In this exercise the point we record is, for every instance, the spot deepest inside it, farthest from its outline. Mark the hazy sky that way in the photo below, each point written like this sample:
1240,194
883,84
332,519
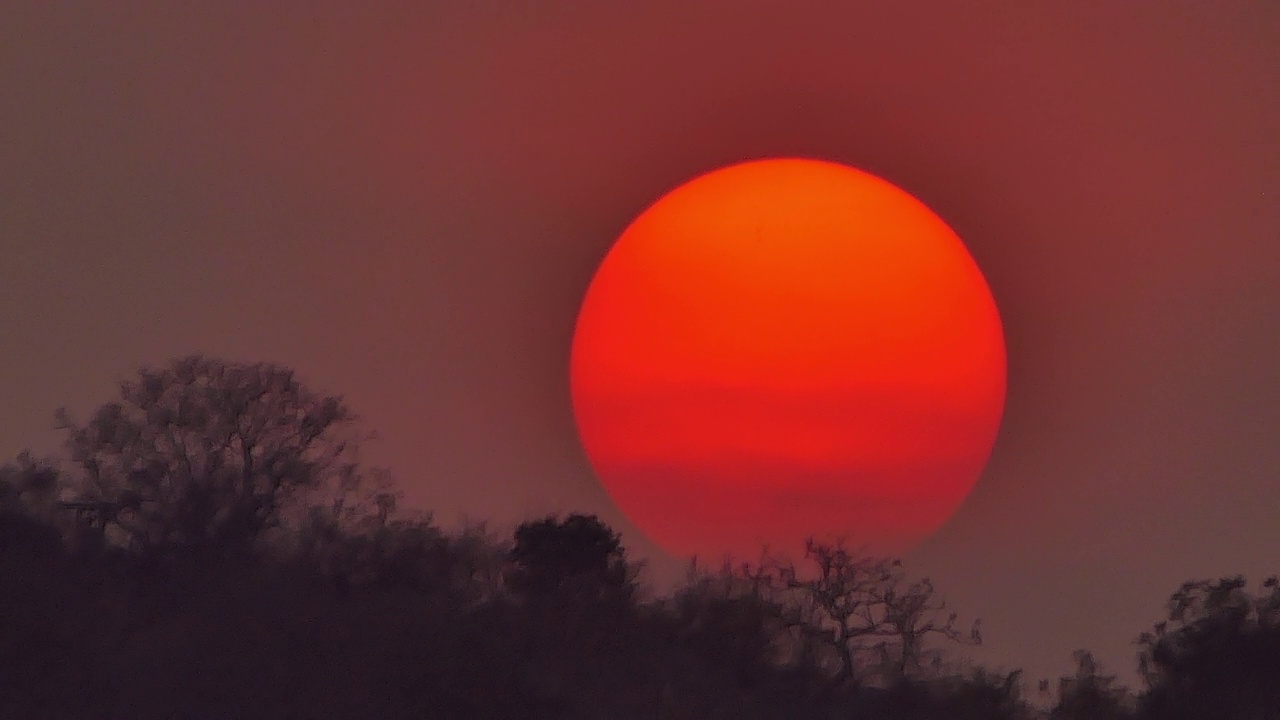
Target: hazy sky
405,202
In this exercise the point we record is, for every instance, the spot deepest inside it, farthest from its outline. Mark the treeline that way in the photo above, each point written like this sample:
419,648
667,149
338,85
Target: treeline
209,545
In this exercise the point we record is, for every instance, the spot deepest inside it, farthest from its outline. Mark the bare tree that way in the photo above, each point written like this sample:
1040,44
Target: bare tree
207,453
865,610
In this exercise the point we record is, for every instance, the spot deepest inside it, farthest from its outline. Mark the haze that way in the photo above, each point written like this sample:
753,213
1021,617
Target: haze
405,202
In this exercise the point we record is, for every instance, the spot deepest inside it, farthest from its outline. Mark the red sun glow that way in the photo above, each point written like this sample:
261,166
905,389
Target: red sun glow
785,348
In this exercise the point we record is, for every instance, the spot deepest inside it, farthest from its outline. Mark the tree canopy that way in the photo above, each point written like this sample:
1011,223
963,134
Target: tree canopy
326,599
203,453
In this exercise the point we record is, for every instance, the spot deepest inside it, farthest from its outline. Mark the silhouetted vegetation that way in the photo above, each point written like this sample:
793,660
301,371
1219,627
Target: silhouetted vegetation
1217,654
209,546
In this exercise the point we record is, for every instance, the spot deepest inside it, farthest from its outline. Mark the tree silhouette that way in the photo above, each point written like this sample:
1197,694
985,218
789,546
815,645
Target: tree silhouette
873,619
204,453
30,486
727,633
578,557
979,695
29,519
1088,695
1217,654
351,607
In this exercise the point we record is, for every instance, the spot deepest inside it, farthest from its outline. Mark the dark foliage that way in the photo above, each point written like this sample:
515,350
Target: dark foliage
1217,654
577,557
212,549
1089,695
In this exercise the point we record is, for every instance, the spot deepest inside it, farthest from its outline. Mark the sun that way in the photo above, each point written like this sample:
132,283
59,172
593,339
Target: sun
787,348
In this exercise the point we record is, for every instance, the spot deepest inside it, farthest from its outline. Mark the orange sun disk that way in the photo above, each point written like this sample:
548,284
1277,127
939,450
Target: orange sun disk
785,348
